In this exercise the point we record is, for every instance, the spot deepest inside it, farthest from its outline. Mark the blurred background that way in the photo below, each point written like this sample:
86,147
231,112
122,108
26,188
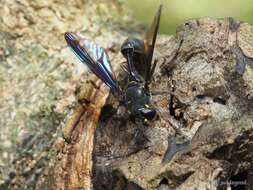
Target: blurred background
177,11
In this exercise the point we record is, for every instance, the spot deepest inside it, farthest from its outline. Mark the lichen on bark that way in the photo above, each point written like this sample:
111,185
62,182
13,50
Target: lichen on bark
39,77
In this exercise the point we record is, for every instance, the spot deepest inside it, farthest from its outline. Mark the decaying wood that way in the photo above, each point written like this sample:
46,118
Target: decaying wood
38,84
208,97
74,169
206,74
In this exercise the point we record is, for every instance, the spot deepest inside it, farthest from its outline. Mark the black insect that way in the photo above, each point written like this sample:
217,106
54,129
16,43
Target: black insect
140,69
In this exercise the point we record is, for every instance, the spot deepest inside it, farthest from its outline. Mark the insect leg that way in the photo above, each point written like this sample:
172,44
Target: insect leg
124,68
140,139
175,145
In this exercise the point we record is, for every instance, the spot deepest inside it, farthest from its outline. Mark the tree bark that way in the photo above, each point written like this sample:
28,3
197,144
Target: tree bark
207,74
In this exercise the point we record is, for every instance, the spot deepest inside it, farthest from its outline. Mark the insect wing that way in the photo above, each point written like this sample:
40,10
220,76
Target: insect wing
94,57
98,54
149,42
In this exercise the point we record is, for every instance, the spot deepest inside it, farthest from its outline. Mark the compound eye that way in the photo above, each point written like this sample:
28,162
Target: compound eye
126,46
132,44
148,113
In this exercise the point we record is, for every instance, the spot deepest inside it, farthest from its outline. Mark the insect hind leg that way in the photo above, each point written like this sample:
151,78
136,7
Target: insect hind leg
139,137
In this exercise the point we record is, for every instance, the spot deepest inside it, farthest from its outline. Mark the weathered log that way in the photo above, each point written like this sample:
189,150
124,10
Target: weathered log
39,80
74,167
208,96
204,77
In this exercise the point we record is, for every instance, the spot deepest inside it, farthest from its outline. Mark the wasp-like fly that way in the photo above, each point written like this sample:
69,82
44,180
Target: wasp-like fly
140,69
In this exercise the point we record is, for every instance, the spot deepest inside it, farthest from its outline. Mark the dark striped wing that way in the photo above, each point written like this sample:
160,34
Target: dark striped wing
149,44
95,58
